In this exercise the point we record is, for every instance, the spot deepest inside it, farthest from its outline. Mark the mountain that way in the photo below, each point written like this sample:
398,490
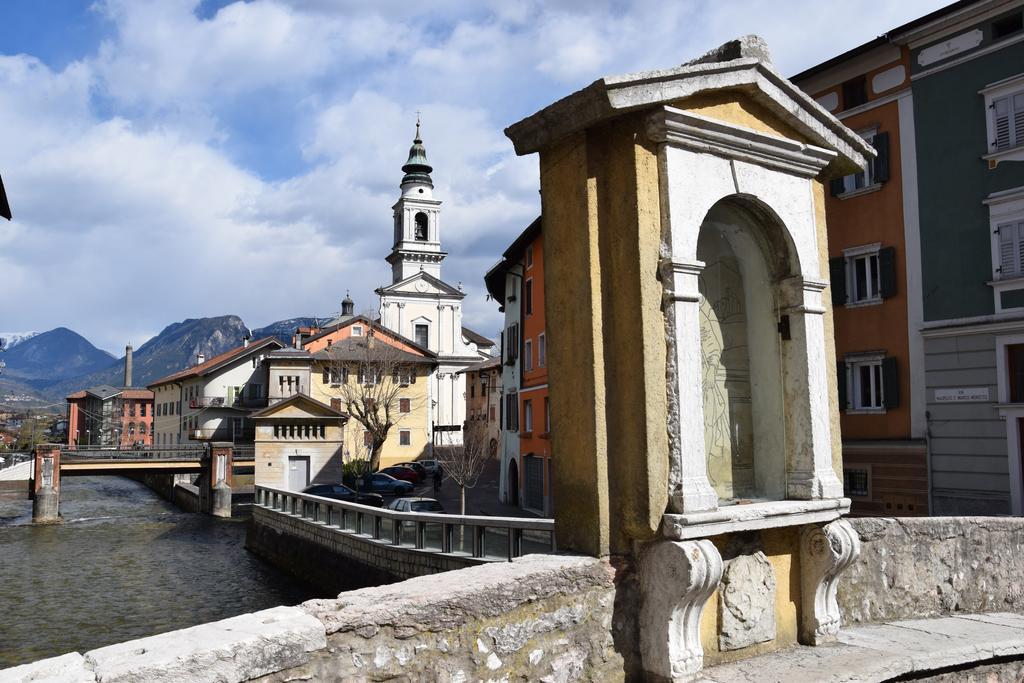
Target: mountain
174,349
13,338
284,329
57,354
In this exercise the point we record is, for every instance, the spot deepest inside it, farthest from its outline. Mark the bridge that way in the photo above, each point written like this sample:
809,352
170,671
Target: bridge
215,463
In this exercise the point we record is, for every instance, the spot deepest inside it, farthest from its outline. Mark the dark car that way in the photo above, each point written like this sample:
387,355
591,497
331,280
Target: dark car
379,482
420,469
404,473
415,505
345,494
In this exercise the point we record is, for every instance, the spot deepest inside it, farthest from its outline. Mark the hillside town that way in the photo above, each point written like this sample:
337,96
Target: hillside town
753,410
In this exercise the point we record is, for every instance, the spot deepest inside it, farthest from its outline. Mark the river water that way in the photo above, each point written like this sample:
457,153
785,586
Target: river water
124,564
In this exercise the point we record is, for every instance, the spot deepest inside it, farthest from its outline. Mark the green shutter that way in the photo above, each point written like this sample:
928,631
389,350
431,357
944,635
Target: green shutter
880,164
890,383
837,276
887,271
841,383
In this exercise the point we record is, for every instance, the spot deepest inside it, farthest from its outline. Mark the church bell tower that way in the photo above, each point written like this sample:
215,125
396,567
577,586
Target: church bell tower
417,244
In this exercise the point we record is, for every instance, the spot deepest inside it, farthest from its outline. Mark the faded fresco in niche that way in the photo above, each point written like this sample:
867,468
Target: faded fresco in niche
725,369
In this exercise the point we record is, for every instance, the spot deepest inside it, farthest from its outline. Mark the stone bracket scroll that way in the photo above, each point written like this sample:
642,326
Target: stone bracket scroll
825,552
676,580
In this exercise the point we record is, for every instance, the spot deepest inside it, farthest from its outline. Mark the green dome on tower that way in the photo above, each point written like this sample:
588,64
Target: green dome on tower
416,168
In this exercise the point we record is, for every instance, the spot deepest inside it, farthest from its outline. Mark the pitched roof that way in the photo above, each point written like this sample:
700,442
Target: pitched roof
374,324
487,364
437,282
738,66
495,277
297,398
476,338
216,362
5,208
355,349
105,391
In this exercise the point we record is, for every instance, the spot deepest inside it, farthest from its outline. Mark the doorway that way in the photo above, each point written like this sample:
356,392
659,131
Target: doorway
298,472
513,482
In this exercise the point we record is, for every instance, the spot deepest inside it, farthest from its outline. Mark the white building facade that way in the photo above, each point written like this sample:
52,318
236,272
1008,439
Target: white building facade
418,304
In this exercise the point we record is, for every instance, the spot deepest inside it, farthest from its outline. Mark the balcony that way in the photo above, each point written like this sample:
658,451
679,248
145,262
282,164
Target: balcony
246,434
238,403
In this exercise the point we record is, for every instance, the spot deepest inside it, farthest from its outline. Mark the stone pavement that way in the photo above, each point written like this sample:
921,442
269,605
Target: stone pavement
482,499
882,652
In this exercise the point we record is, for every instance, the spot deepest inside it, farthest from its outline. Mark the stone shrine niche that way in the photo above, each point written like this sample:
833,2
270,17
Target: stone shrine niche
740,365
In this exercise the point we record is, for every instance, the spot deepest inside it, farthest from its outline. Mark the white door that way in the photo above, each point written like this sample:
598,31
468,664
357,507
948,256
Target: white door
298,472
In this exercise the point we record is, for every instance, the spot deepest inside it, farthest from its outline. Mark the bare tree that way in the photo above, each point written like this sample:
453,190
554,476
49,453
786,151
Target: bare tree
464,463
370,380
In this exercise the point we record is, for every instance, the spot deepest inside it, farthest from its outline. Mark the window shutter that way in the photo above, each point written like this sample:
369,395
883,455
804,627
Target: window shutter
835,186
887,271
327,375
841,384
1008,249
837,274
880,163
890,383
1001,123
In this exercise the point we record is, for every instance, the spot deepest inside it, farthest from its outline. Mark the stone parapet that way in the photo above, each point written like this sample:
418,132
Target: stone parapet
917,567
539,618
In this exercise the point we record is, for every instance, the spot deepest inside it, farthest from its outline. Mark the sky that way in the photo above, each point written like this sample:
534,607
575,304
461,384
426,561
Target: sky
175,159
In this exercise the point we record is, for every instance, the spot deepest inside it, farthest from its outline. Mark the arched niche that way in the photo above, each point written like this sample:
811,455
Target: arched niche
420,231
745,257
748,361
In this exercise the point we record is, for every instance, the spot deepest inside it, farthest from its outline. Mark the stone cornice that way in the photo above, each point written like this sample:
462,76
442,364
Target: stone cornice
610,97
702,134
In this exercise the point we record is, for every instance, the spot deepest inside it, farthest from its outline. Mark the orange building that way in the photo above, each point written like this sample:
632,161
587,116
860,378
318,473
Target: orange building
105,415
884,449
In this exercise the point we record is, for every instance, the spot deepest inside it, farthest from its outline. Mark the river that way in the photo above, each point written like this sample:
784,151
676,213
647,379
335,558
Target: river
124,564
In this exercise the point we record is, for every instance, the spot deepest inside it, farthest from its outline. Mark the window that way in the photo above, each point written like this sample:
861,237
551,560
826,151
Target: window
855,483
512,344
142,410
492,413
404,405
483,388
422,335
1011,249
528,355
875,172
1007,26
1007,121
472,391
529,256
512,411
404,437
357,330
542,350
547,415
872,383
855,92
335,376
528,415
528,297
863,275
369,376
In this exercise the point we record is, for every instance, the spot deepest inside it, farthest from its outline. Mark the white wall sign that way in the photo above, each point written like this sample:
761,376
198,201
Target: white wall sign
961,395
948,48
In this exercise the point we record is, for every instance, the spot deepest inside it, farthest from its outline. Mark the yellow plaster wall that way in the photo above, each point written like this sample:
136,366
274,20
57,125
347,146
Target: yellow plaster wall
781,547
575,351
740,110
416,421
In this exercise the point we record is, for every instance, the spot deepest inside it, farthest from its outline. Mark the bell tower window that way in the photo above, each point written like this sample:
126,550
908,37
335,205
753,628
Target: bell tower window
420,233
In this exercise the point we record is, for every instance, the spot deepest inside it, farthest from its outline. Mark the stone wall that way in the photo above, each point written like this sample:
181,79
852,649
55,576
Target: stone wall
539,618
932,566
333,560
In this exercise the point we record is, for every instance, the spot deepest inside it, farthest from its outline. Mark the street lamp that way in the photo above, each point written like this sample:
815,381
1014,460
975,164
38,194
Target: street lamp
88,437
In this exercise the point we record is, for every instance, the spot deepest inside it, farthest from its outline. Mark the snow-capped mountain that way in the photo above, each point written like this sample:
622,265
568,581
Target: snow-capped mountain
12,339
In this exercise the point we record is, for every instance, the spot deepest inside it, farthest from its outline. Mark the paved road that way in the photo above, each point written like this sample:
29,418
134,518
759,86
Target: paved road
480,500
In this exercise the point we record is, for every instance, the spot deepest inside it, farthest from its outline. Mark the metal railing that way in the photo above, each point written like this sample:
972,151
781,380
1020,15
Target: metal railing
481,537
225,402
183,452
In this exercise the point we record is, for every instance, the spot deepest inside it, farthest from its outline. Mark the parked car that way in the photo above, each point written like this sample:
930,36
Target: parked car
420,469
415,505
344,493
402,472
379,482
429,465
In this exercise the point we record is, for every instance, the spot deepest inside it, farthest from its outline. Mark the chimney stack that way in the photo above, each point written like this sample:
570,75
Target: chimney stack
245,341
200,358
128,365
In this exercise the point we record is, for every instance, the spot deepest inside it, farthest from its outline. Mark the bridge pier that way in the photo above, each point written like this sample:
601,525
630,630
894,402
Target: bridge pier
46,484
218,464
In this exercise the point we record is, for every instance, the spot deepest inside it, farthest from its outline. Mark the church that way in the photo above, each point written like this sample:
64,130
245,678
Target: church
419,305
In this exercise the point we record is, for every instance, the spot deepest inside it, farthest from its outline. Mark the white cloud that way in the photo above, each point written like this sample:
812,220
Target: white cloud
135,207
